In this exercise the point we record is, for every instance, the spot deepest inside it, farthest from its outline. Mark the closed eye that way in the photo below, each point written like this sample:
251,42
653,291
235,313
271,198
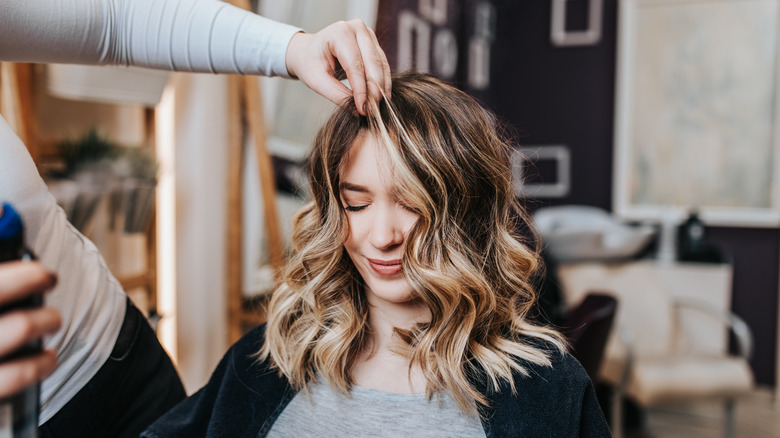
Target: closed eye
354,207
408,208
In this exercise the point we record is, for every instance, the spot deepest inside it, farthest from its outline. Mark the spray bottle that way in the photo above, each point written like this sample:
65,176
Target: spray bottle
18,413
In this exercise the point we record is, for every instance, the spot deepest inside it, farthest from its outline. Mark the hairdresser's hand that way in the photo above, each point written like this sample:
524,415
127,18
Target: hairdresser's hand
320,59
19,280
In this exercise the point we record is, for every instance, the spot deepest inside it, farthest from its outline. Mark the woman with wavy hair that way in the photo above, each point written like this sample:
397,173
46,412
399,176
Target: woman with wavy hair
403,308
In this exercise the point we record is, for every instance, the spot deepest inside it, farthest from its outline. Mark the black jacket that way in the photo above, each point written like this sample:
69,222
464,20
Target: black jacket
244,397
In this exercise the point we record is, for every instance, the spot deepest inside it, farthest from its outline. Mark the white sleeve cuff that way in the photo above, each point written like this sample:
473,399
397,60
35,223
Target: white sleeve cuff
261,46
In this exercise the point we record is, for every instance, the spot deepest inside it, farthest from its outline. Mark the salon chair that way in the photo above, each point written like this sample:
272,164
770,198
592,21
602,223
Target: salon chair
683,374
670,341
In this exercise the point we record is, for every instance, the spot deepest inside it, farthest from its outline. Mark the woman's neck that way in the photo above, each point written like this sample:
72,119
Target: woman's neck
384,318
383,366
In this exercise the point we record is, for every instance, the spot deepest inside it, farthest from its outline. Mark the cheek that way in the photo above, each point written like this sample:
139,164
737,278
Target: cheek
410,219
355,233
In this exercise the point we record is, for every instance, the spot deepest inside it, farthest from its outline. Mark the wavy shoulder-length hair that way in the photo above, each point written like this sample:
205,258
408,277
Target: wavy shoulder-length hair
467,257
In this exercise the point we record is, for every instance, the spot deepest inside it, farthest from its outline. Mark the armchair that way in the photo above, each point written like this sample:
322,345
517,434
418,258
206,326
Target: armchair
670,341
684,374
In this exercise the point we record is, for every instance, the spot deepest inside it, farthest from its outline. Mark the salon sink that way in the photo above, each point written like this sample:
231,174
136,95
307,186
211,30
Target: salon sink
584,233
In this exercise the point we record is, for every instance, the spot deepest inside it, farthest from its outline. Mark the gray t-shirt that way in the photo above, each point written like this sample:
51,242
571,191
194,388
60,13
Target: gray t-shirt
324,412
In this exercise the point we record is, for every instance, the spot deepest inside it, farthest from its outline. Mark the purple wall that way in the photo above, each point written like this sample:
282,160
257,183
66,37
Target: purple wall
553,95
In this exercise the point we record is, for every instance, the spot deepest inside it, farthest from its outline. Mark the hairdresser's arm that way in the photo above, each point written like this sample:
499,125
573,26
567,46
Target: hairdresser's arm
189,35
17,281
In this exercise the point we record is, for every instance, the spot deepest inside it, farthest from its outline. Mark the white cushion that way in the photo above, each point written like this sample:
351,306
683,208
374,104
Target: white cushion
657,380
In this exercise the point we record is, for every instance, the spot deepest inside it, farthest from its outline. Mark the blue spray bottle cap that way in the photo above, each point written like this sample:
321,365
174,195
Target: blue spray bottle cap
10,222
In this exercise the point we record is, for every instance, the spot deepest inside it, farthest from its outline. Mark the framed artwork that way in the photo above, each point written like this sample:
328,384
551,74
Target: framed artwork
696,111
541,171
562,37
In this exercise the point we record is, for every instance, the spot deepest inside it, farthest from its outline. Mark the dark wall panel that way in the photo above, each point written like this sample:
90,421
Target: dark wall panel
555,95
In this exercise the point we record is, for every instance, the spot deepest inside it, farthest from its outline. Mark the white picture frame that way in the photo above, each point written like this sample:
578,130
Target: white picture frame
559,188
697,111
562,37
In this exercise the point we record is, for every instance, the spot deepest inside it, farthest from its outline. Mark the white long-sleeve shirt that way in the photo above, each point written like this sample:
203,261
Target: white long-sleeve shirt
185,35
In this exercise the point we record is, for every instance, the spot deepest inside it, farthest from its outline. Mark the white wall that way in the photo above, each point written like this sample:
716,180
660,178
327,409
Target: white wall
192,200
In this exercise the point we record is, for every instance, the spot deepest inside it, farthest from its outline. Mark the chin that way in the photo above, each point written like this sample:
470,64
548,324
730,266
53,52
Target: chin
395,292
395,297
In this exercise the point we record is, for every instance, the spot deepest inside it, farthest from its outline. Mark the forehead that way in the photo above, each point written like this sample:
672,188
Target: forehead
366,161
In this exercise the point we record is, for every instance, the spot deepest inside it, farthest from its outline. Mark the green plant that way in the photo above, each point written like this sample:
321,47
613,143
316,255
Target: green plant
96,150
86,151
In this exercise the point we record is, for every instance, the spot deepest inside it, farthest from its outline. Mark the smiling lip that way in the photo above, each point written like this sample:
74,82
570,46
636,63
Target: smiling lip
386,268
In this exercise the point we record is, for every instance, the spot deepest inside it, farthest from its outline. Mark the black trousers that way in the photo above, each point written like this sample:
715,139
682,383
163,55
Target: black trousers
136,385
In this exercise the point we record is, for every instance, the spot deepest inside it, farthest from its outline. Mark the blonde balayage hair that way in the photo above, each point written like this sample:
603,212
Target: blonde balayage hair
466,258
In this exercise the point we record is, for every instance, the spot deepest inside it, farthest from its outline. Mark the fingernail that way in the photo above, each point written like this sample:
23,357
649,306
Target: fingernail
365,108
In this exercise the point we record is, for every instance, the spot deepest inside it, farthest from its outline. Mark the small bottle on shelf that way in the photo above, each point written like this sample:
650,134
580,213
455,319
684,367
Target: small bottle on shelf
692,243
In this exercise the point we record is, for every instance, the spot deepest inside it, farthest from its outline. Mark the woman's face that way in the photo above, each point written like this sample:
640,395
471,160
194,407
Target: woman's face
378,222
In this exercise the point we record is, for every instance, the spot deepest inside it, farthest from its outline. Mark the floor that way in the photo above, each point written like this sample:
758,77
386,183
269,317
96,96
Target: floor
757,416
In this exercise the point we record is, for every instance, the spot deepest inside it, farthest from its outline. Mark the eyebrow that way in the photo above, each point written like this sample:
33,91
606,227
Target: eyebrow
353,187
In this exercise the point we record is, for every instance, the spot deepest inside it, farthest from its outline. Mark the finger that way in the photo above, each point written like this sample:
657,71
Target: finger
373,59
22,326
346,49
18,374
22,279
330,88
381,78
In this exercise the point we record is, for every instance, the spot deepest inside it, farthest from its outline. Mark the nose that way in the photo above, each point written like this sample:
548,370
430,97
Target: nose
387,231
